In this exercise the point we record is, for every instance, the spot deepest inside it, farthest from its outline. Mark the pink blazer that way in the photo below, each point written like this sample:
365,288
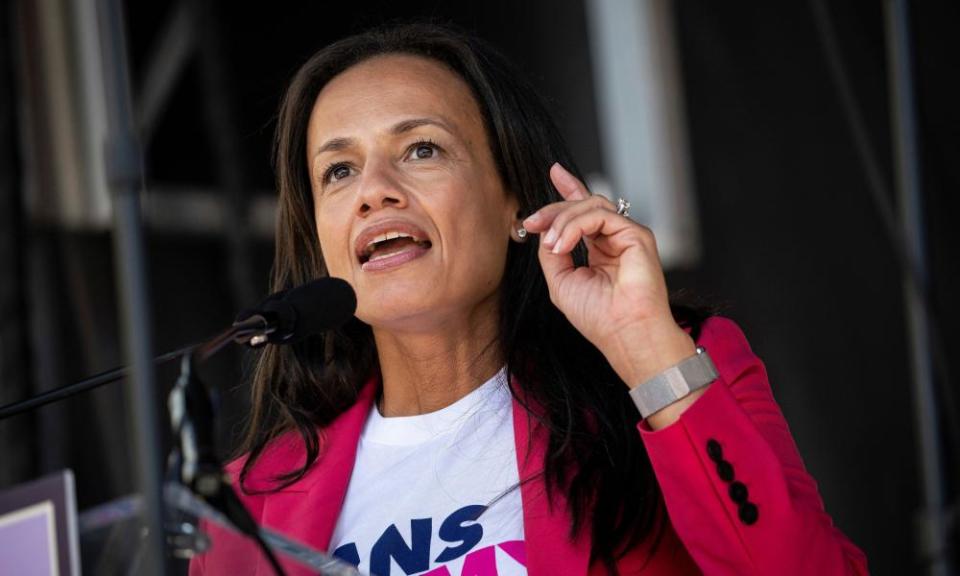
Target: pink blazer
707,532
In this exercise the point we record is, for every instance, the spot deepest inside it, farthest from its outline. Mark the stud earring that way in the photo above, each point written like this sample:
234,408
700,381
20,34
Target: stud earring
522,234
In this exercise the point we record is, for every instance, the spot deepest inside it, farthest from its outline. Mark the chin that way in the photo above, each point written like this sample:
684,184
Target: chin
392,311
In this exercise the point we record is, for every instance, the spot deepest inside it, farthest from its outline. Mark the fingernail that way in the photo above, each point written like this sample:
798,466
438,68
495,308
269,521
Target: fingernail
532,219
550,238
556,249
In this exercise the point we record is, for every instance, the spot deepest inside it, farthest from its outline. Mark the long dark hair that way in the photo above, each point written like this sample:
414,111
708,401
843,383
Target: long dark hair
595,455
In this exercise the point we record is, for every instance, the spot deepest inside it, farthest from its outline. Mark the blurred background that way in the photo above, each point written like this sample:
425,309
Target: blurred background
756,138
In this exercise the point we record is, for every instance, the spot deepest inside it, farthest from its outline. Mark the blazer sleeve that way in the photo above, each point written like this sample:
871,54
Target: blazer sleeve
734,485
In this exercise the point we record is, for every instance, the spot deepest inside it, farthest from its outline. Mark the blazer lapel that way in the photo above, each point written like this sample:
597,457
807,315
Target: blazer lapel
307,511
546,522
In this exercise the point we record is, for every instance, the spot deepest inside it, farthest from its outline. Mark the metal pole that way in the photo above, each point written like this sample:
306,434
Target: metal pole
934,539
125,177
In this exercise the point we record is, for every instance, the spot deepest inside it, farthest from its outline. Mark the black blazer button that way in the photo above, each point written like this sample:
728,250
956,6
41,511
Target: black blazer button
714,451
748,513
738,492
725,471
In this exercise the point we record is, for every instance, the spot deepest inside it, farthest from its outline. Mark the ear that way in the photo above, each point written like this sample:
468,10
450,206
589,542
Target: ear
516,224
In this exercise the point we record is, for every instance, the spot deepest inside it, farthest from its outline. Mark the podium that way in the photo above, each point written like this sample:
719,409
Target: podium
41,534
110,537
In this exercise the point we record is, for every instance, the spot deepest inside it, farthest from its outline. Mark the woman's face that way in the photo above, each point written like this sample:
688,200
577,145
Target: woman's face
396,146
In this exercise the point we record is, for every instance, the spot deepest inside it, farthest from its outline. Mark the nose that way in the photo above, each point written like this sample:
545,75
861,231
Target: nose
379,188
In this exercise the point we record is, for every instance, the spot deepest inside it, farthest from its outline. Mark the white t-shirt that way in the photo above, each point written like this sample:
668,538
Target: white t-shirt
437,493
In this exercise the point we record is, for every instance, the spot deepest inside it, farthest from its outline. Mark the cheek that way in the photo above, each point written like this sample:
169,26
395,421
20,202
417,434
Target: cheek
478,238
333,247
334,257
479,253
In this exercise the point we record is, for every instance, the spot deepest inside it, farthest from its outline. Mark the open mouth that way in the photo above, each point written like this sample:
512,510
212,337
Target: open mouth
391,247
389,243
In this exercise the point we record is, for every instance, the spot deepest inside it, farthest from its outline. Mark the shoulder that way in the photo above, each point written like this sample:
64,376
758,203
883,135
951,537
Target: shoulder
288,452
281,455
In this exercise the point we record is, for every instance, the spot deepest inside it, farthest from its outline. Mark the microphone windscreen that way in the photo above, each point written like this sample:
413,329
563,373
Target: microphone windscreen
260,307
322,304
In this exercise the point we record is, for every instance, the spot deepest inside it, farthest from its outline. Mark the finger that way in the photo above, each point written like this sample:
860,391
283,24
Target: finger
547,216
573,211
542,218
597,221
555,267
568,185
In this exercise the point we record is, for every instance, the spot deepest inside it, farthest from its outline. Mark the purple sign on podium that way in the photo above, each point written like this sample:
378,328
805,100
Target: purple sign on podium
38,528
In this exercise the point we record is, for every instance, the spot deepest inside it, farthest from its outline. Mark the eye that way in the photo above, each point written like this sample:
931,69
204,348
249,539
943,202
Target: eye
423,150
336,172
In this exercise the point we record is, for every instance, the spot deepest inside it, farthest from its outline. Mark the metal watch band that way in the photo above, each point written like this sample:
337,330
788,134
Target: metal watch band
674,383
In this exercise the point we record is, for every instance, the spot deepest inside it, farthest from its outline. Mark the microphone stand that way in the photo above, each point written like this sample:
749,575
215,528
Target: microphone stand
95,381
193,462
193,459
252,330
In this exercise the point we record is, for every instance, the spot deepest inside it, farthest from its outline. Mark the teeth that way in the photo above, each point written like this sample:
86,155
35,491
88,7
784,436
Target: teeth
386,236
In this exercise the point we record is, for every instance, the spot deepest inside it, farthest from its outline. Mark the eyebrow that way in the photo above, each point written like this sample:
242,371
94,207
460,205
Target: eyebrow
402,127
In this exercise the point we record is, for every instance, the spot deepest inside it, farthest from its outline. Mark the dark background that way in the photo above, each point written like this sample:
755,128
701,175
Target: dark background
793,247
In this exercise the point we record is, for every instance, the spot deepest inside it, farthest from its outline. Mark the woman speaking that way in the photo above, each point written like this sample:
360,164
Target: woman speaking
516,394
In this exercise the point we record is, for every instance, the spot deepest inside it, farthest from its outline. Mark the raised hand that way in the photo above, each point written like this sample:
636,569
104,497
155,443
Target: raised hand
619,300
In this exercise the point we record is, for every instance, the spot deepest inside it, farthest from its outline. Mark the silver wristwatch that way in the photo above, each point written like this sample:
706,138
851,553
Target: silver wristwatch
674,383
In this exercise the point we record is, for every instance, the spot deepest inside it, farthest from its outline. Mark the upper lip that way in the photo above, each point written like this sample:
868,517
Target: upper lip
389,225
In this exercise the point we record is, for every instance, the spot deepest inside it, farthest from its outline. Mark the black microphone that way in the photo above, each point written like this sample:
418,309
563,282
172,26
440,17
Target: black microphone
291,315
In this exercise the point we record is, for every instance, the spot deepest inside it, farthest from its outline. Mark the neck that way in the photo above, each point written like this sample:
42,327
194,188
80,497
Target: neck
425,371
